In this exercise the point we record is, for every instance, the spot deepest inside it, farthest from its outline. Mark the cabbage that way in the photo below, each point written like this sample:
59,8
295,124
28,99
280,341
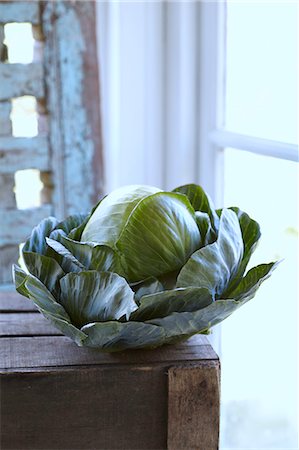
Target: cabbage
143,269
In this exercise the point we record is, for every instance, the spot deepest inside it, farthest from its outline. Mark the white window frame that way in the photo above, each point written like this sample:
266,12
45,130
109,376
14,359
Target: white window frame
214,137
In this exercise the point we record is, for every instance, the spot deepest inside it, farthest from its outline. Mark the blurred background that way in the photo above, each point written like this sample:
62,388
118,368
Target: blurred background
96,95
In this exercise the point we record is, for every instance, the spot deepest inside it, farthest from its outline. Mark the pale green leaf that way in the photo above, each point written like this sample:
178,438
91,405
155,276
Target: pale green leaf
108,220
159,236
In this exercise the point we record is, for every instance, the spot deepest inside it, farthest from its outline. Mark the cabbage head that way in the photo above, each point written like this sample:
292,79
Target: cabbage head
145,268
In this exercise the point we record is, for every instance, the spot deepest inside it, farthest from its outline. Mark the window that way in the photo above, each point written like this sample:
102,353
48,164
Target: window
250,136
178,106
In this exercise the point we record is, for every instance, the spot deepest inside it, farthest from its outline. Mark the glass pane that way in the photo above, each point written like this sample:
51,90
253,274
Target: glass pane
20,42
262,71
28,188
23,116
259,342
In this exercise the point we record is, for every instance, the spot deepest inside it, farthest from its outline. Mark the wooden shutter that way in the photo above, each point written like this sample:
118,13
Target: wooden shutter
67,150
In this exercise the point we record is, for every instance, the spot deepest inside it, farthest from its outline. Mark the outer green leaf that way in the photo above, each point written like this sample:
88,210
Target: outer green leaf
115,336
43,298
248,286
203,221
57,234
63,256
250,234
164,303
108,220
71,222
92,256
92,297
37,241
185,324
19,277
46,269
66,328
146,287
200,201
213,266
159,236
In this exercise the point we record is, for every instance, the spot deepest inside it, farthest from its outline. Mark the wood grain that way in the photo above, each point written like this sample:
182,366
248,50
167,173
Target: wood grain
5,122
92,408
73,104
21,79
193,407
17,225
55,395
19,12
8,255
59,351
23,153
11,301
7,195
26,324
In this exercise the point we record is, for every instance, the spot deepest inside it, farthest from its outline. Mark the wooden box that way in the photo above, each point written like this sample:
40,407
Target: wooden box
55,395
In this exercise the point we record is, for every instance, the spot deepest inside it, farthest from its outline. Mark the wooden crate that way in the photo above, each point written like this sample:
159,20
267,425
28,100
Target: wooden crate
55,395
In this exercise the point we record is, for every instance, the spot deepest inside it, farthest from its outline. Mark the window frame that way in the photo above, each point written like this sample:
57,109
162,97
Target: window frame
215,137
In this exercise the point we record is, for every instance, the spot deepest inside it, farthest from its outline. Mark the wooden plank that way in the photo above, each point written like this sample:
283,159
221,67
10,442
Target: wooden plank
17,224
7,195
119,408
193,406
5,122
73,104
23,153
21,79
9,255
19,12
3,48
59,351
11,301
26,324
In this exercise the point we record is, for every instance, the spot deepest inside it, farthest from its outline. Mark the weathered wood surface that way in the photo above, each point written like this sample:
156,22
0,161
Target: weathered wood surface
19,11
7,195
8,255
107,408
17,224
59,351
193,406
73,104
21,79
23,153
68,149
5,122
26,324
11,301
55,395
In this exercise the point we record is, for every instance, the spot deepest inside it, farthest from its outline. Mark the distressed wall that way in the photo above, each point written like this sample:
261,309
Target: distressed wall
63,78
